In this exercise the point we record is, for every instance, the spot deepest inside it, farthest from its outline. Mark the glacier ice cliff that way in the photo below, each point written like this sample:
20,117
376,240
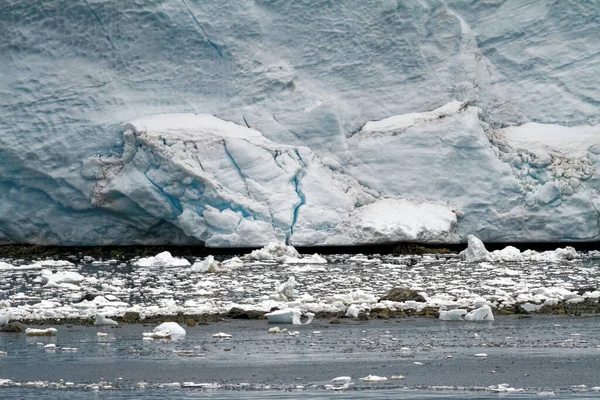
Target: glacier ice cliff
308,122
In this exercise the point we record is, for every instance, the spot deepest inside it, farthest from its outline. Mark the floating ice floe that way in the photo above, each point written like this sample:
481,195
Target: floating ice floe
274,329
164,259
63,278
476,252
222,335
288,317
173,328
157,335
342,379
284,254
397,377
374,378
101,320
483,313
453,315
101,334
41,332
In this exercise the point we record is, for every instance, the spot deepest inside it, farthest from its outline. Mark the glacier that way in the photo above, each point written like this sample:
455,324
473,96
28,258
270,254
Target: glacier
237,124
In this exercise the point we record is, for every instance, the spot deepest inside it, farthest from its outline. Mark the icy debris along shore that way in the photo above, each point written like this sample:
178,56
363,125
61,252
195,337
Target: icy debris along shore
476,252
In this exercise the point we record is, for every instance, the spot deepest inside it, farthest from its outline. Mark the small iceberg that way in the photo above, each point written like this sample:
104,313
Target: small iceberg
453,315
101,320
483,313
288,317
374,378
164,259
476,252
41,332
173,328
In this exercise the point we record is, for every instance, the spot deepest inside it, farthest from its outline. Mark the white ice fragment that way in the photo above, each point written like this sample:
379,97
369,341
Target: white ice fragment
5,318
41,332
289,316
480,355
286,290
164,259
397,377
342,379
209,264
274,251
50,346
452,315
222,335
173,328
274,329
483,313
374,378
157,335
101,334
49,279
475,252
352,311
101,320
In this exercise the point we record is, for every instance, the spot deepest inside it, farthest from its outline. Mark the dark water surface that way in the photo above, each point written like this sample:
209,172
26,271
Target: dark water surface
540,354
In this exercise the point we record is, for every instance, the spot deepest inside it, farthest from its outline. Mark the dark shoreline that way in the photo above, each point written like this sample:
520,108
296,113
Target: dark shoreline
585,309
31,252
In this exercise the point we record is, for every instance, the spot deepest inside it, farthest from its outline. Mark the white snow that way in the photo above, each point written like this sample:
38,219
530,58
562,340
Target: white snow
573,141
399,123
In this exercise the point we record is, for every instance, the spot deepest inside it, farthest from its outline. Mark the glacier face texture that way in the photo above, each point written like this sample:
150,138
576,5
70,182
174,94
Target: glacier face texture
237,123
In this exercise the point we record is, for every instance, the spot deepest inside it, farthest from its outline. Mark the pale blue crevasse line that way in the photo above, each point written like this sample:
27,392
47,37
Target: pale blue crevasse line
175,202
302,197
